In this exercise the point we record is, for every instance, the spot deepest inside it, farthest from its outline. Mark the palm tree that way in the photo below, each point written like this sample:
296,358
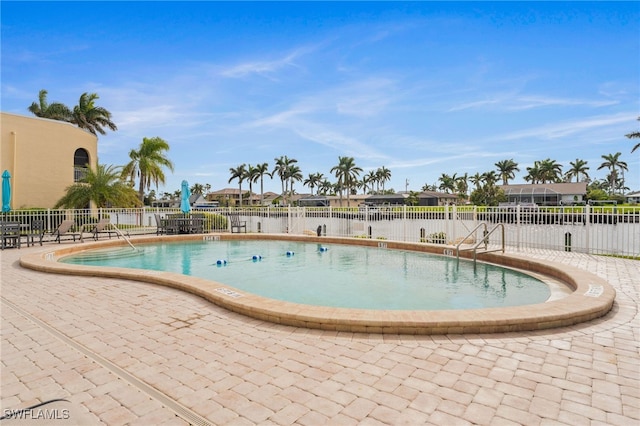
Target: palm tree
447,183
313,181
54,111
104,186
488,193
613,163
383,174
347,174
147,163
197,188
507,170
462,186
578,167
550,171
489,178
364,184
476,180
372,178
544,171
88,116
293,174
282,169
426,187
262,169
239,173
253,174
533,173
633,135
325,187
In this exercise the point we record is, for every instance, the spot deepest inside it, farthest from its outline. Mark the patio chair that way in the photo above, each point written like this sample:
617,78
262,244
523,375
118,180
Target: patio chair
171,225
197,223
237,224
161,225
10,234
65,229
36,232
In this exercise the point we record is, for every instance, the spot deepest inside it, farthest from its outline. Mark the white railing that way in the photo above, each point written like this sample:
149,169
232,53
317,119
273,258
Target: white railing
594,230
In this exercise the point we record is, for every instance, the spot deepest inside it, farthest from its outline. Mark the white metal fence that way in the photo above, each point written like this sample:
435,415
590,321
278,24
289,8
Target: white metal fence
595,230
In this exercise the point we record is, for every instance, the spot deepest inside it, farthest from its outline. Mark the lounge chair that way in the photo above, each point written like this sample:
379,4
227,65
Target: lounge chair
102,227
65,229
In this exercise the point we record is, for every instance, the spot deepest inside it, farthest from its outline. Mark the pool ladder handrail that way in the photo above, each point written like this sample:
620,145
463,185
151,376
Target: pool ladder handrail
485,240
118,231
123,236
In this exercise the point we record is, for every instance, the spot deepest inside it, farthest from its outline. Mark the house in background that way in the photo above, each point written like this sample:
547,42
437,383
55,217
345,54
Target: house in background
435,198
548,194
44,157
633,197
428,198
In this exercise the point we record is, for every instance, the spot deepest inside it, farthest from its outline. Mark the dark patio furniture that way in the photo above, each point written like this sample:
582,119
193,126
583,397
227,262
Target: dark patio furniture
35,233
182,224
10,234
197,223
161,227
237,224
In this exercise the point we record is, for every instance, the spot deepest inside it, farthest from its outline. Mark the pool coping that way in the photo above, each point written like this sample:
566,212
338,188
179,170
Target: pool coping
592,296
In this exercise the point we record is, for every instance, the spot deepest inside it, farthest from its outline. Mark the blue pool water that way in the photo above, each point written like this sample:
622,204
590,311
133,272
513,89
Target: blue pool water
334,275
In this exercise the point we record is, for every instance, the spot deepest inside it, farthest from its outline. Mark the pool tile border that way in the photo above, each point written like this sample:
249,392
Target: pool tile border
592,296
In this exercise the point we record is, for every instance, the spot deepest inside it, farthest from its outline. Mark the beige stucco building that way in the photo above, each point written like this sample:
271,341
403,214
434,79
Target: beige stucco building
44,157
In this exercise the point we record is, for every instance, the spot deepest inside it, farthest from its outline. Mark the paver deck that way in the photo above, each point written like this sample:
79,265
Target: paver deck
125,352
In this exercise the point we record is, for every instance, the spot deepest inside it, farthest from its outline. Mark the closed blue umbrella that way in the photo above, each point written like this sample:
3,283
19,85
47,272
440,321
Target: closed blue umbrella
184,202
6,191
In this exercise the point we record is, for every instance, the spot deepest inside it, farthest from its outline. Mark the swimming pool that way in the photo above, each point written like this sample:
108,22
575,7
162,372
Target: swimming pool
585,295
334,275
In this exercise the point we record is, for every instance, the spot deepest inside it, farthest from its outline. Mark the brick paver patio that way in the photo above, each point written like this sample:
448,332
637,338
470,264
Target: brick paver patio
132,353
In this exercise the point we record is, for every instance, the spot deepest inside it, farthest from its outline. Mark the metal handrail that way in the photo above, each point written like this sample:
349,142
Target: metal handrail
116,229
484,240
132,246
480,225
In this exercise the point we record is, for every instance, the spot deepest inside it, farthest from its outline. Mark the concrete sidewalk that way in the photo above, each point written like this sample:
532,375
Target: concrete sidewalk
131,353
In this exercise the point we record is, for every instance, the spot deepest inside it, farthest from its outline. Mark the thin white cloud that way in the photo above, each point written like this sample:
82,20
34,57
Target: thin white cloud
512,102
421,162
264,68
474,105
566,128
529,102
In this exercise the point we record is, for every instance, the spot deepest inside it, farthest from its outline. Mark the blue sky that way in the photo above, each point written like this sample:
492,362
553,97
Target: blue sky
422,88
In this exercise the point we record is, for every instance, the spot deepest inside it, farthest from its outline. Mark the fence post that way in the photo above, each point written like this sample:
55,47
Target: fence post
454,230
404,223
587,224
447,221
518,226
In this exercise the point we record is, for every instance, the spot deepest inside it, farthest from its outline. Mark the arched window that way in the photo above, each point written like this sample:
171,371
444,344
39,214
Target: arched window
80,164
